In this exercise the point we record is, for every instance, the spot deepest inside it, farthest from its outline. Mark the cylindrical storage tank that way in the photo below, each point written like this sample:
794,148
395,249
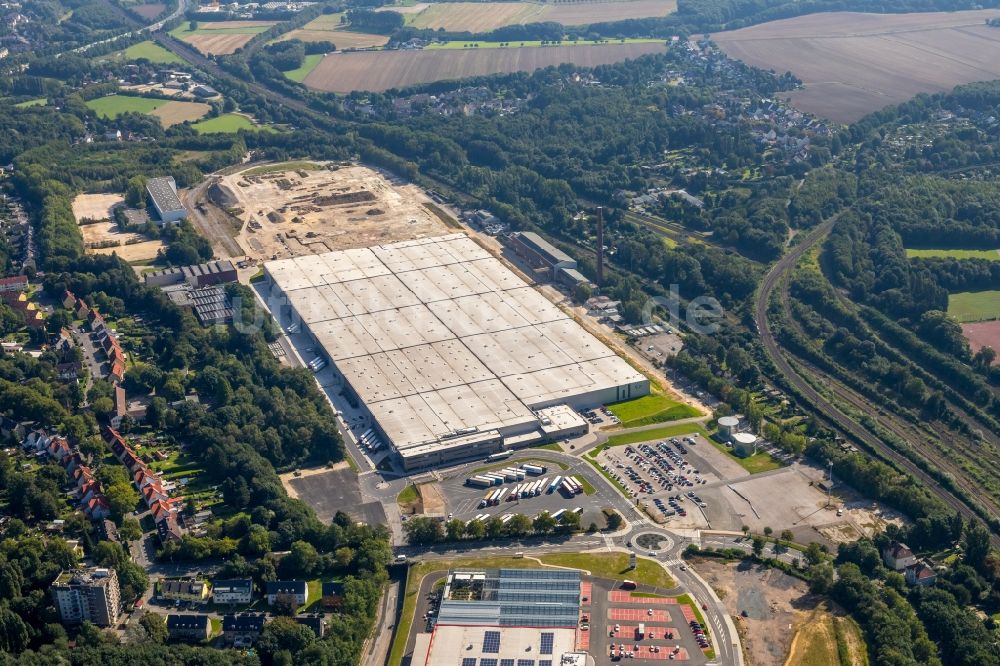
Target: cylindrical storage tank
744,444
727,426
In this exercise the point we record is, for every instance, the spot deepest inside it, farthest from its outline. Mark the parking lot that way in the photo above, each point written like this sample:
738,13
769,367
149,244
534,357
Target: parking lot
667,477
465,501
667,632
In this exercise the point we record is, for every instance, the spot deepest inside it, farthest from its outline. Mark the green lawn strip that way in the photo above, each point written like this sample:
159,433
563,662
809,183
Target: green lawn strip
183,30
686,599
459,44
649,595
114,105
551,446
315,588
604,565
992,255
974,305
152,52
588,489
758,462
227,123
41,101
216,623
650,409
649,435
308,64
408,495
282,166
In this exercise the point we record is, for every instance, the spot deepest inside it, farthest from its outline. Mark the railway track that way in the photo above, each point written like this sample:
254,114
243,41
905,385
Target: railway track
823,407
907,431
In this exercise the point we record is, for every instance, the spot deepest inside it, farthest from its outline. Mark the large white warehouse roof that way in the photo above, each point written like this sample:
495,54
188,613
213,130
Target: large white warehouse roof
439,338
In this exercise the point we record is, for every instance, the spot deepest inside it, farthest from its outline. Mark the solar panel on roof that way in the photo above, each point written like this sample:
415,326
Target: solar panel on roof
491,642
547,640
506,662
469,661
544,662
488,661
525,662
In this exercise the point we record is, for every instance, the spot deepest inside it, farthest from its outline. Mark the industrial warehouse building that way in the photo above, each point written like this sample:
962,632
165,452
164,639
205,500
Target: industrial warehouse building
163,195
494,616
543,255
452,353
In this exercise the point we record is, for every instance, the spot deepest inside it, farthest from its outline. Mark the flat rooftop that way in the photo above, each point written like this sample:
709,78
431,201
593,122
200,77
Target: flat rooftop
436,336
467,646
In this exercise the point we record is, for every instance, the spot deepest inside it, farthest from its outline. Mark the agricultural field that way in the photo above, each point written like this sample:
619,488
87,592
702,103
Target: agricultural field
220,37
170,112
993,255
150,51
486,16
149,10
853,64
328,28
506,45
227,123
968,306
41,101
382,70
983,334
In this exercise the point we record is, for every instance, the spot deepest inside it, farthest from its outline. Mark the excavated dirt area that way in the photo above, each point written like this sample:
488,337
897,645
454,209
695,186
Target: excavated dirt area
299,211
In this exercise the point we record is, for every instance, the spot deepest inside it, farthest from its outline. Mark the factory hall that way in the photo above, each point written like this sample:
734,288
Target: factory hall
453,355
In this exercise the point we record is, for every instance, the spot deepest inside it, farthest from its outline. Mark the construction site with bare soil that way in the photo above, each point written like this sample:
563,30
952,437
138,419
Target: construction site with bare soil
302,208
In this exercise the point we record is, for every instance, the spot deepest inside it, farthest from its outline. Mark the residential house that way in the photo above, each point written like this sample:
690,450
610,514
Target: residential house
113,135
69,300
117,372
333,594
107,531
238,591
80,309
14,283
189,627
95,320
97,508
316,622
897,556
920,573
243,629
168,529
197,591
288,592
121,406
11,428
68,372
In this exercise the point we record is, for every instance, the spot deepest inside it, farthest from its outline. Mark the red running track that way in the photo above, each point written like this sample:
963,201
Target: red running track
627,633
646,652
638,615
625,597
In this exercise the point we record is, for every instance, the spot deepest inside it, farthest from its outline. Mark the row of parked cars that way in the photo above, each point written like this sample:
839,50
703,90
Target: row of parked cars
699,634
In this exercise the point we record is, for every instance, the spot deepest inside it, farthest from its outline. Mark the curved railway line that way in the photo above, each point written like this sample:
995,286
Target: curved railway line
905,430
824,407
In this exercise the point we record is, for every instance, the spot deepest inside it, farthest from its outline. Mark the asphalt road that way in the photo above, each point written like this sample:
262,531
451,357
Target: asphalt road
821,405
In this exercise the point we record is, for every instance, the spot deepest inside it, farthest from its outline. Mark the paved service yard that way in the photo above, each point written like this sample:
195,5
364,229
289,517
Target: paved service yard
668,636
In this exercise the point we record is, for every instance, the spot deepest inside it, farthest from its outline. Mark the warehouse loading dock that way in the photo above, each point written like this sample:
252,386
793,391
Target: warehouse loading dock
446,347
